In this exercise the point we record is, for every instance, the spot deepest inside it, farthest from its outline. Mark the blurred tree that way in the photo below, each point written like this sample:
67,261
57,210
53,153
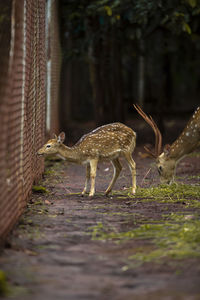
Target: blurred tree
154,36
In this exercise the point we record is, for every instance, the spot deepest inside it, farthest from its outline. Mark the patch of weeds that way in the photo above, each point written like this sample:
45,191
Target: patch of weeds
122,197
170,193
103,232
123,213
173,193
29,229
197,177
98,232
8,290
24,221
122,194
39,189
179,217
176,238
194,203
3,284
172,240
37,207
68,220
49,172
38,202
179,178
73,194
100,206
34,233
52,216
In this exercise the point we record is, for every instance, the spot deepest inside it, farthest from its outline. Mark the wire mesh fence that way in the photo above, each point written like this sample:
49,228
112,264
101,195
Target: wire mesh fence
23,77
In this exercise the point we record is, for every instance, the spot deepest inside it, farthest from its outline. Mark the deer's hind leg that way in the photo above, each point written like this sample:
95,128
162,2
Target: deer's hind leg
117,169
87,179
132,167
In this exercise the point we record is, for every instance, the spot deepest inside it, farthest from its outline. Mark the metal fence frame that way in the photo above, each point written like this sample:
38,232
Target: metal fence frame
24,56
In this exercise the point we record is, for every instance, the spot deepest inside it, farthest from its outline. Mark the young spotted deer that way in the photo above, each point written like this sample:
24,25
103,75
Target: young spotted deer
107,142
186,143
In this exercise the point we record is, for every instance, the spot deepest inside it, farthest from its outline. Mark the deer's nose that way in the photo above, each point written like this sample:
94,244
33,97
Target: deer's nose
39,153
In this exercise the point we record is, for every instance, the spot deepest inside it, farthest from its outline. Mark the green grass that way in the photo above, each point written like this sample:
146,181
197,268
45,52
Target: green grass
175,238
3,284
39,189
170,194
174,191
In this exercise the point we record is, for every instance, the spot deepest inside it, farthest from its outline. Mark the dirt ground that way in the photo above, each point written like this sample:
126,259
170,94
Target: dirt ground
52,254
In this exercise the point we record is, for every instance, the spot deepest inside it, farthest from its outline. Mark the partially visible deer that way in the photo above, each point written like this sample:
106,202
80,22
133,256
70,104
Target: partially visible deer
107,142
186,143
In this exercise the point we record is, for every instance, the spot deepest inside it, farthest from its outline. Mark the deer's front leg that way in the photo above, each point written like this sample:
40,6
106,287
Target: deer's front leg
93,171
87,179
132,167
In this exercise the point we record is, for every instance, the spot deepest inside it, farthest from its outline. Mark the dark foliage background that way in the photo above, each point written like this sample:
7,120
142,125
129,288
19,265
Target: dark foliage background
116,53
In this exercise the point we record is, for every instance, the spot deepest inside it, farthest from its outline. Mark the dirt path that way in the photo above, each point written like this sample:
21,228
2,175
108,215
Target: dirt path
61,248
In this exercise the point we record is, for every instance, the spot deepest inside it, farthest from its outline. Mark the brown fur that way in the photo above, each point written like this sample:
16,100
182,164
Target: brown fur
108,142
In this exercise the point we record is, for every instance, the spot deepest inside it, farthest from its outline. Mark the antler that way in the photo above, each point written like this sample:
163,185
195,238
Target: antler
158,136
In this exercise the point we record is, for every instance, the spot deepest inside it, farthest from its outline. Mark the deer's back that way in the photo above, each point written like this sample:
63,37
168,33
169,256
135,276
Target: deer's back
189,139
107,141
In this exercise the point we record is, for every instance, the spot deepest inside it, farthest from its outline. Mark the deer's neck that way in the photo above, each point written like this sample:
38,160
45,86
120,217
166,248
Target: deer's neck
69,153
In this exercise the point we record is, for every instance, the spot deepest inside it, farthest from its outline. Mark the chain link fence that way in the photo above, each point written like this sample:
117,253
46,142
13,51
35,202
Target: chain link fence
24,32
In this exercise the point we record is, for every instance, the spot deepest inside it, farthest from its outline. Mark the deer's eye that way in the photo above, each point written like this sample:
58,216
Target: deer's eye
160,169
48,146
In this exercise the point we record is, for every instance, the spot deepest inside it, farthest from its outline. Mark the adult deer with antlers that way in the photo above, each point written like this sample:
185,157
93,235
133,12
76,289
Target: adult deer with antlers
186,143
108,142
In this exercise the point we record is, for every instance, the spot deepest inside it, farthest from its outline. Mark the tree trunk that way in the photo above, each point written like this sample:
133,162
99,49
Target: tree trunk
106,75
96,82
141,75
117,82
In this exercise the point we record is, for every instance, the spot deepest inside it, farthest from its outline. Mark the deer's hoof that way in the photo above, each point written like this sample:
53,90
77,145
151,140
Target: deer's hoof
107,192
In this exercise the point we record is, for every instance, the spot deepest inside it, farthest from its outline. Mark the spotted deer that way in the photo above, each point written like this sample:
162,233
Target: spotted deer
186,143
108,142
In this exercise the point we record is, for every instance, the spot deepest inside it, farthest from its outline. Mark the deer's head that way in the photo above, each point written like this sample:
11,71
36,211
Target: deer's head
165,163
52,146
166,166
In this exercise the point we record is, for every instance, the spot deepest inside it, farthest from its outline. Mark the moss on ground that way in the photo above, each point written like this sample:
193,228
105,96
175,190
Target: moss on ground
174,236
39,189
3,284
170,194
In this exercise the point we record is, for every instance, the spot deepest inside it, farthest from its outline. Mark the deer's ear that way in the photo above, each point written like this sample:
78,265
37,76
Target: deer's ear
61,138
167,149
